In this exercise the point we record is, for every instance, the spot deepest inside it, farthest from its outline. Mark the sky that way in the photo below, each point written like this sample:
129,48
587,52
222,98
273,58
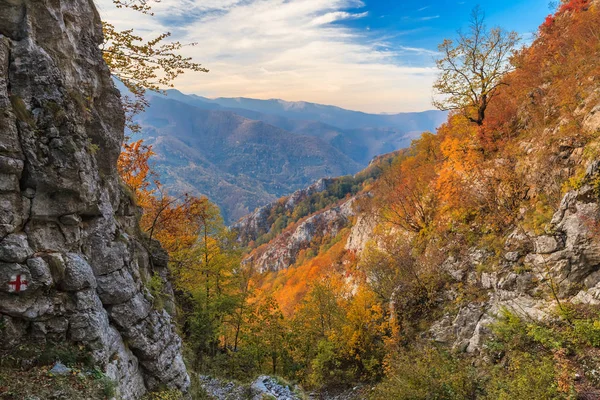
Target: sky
374,56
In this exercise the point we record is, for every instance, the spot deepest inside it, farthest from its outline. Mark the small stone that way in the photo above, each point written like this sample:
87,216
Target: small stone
60,369
512,256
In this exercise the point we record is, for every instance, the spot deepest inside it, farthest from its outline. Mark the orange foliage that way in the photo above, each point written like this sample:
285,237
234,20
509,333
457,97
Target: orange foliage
571,6
288,287
478,173
406,193
134,168
173,221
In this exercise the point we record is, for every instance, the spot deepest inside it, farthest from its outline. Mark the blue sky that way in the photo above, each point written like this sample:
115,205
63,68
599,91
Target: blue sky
368,55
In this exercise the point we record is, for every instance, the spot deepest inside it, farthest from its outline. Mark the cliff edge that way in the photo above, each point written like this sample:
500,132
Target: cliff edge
72,259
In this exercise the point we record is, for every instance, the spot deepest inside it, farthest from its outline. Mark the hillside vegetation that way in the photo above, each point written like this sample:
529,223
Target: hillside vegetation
443,229
464,267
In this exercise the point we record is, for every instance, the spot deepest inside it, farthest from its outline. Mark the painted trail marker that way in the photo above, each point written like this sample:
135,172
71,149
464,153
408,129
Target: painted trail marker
17,283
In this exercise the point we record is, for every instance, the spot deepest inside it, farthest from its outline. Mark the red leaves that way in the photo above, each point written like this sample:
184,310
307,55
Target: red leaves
572,6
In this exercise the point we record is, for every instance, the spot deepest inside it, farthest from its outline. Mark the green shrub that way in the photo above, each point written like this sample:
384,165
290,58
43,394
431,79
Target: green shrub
327,367
429,373
524,376
156,288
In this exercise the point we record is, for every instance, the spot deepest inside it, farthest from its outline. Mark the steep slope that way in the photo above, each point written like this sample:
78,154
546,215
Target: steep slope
72,260
464,228
266,222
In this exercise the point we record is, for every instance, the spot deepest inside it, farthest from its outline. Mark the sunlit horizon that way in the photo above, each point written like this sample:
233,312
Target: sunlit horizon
369,56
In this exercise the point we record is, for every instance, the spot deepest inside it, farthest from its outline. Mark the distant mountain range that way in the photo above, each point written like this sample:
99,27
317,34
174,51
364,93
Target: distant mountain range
244,153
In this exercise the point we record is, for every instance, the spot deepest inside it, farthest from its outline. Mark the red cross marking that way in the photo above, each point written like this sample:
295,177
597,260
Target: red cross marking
18,283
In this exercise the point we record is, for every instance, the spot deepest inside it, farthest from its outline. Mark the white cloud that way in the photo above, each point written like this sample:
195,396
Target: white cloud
287,49
429,18
419,51
337,16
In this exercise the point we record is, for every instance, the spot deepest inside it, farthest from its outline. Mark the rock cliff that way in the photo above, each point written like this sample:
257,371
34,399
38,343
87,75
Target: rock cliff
537,273
256,223
282,252
72,260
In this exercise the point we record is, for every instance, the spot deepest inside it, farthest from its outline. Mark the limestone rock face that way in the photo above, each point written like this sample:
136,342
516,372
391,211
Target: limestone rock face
252,226
283,251
566,262
72,261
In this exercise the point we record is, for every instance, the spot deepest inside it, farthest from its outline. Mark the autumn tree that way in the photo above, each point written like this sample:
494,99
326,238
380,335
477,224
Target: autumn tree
135,170
406,283
406,196
143,64
317,319
472,68
266,335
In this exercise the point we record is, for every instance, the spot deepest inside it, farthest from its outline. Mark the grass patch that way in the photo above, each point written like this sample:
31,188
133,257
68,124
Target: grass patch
25,373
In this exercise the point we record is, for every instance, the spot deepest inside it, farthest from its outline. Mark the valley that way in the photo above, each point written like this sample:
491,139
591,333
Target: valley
244,158
233,248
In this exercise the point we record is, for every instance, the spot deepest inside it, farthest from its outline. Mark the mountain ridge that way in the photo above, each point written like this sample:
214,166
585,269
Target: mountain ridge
225,152
276,155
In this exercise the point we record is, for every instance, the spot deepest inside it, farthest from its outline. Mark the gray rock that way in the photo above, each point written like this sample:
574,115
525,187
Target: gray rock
14,248
62,207
9,183
9,165
8,278
116,287
266,386
131,312
60,369
70,219
465,324
13,330
40,271
546,244
78,274
442,330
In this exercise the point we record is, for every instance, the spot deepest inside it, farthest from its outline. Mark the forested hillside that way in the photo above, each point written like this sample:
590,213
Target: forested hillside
467,267
238,163
463,267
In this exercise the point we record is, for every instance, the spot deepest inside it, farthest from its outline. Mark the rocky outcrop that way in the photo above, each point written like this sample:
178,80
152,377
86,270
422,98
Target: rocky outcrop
264,387
363,229
282,252
538,273
252,226
72,260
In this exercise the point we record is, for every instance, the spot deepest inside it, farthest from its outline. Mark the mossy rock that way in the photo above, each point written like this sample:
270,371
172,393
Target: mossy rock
21,111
